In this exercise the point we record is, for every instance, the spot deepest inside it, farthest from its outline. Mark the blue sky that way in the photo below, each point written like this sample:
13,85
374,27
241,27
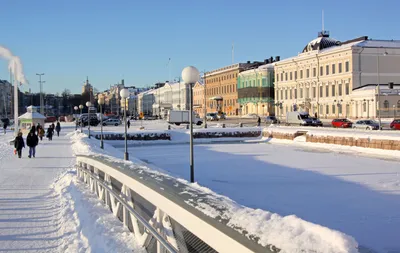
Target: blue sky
110,40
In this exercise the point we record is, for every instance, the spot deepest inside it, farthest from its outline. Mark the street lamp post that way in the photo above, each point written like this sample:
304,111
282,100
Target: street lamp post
41,92
76,120
379,88
190,76
81,107
124,93
88,104
101,103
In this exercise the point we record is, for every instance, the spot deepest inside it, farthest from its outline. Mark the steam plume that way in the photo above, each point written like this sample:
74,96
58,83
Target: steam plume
14,65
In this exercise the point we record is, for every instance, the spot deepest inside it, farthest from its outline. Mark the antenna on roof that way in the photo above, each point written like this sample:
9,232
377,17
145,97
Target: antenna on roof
323,25
233,52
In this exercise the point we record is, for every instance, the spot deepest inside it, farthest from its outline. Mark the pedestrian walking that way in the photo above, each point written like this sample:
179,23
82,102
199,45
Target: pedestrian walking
128,123
58,128
316,115
258,121
33,129
32,141
50,131
19,144
38,127
53,126
41,133
5,127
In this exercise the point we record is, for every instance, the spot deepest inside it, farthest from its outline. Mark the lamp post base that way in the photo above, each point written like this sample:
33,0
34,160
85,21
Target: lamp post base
126,156
101,144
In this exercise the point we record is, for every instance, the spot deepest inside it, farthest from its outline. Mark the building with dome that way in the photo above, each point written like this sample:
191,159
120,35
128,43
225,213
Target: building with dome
335,79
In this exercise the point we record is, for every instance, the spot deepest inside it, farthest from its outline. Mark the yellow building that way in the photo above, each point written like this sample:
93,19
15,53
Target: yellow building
339,79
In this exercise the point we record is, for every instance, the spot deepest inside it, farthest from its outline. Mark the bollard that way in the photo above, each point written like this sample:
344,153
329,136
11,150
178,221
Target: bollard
205,125
187,126
223,125
169,127
240,124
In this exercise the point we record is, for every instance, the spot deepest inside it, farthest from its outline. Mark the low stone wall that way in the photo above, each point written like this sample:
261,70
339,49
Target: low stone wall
136,137
235,134
356,142
277,135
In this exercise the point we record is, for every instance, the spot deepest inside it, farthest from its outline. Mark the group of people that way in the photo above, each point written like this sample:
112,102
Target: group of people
32,140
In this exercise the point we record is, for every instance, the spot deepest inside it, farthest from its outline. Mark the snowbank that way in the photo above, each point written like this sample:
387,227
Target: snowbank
86,224
289,233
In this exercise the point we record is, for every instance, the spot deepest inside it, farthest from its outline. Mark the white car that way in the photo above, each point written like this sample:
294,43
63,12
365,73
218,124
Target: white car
250,116
112,122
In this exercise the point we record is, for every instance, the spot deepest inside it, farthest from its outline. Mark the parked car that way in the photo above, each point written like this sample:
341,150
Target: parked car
316,122
250,116
221,115
182,117
150,117
83,120
343,123
395,125
112,122
61,118
366,124
271,120
50,119
212,117
298,118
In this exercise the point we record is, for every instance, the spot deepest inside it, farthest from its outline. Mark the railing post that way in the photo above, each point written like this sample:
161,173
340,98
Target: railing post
125,211
158,226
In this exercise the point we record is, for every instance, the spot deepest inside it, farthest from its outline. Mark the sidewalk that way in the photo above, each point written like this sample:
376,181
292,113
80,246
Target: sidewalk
29,212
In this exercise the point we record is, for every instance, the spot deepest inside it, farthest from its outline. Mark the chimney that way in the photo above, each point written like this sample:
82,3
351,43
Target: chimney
248,62
271,59
266,61
123,82
277,58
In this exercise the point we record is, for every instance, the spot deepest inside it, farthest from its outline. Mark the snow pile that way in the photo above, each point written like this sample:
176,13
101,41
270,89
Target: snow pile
289,233
88,225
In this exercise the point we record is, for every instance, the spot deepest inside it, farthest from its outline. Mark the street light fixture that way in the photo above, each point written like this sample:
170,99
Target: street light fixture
124,93
88,104
190,76
76,120
81,107
41,92
101,103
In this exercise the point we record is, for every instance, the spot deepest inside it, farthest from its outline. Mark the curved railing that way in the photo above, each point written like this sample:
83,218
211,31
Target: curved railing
153,207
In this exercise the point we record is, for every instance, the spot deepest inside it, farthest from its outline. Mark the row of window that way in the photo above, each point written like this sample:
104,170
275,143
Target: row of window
253,83
290,94
228,102
220,78
225,89
285,76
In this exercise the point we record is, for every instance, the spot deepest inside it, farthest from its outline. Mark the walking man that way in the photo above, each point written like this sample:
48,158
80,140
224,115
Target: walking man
58,128
50,132
19,144
128,123
5,127
32,141
258,121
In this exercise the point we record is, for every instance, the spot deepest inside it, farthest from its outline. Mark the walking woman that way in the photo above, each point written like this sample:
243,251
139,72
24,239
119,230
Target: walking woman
19,144
58,128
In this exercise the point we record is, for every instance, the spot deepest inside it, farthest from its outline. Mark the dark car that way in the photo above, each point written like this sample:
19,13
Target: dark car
342,123
94,121
367,124
271,120
316,122
395,125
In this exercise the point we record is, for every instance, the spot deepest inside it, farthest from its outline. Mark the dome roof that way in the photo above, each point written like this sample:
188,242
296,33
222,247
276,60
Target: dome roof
320,43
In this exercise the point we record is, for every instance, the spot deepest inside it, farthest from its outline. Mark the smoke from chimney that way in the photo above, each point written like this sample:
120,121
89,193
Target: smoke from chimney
14,64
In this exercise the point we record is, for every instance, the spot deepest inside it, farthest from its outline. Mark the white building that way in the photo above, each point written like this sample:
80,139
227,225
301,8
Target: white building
339,79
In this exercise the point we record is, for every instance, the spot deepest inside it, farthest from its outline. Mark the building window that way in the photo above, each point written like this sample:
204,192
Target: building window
295,93
321,109
307,92
314,91
286,76
340,67
347,66
291,75
340,109
398,106
333,90
277,77
282,77
327,109
365,106
301,74
314,72
340,89
333,109
321,71
347,109
333,69
308,73
281,94
327,91
347,89
291,94
327,70
386,105
301,92
320,91
285,94
295,75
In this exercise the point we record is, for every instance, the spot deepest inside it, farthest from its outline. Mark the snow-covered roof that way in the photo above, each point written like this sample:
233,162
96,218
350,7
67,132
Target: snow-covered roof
31,115
379,43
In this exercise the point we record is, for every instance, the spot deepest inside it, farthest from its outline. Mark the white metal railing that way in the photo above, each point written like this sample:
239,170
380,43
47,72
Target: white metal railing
153,208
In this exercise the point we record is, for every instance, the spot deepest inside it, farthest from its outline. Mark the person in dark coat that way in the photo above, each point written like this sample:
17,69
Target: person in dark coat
128,123
38,127
33,129
58,128
19,144
5,127
50,132
53,126
32,141
258,121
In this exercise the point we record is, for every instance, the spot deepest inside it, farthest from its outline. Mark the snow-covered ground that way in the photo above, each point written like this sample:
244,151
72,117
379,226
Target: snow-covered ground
357,195
43,208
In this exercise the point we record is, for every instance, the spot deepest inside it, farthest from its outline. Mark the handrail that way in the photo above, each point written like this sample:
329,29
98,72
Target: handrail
165,193
152,231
